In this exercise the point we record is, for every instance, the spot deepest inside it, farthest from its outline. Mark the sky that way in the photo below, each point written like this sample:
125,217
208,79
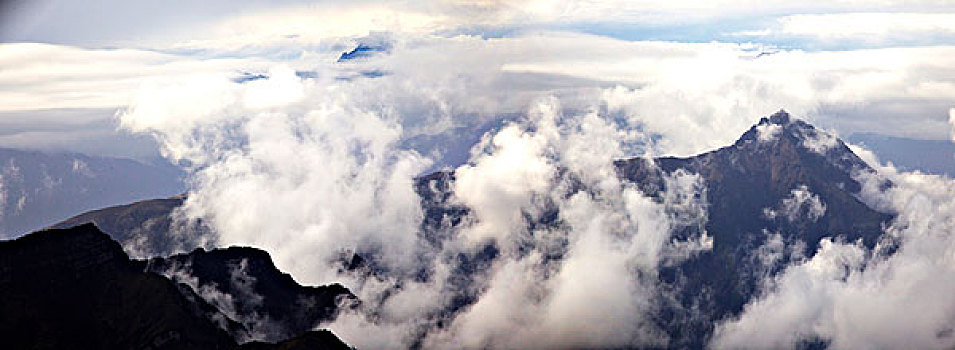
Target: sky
293,149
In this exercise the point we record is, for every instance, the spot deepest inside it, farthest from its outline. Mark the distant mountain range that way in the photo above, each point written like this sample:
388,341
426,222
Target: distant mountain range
929,156
38,189
783,183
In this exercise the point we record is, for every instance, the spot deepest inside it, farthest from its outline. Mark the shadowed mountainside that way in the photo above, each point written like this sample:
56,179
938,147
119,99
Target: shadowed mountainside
75,288
266,300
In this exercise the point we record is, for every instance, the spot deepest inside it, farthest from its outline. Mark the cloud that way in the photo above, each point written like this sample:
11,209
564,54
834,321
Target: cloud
541,291
42,76
862,28
437,83
951,120
256,327
768,131
800,203
820,141
266,153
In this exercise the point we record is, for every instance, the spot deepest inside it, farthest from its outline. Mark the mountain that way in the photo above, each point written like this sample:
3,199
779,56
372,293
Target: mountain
771,197
37,189
75,288
311,340
264,299
145,228
364,50
778,159
928,156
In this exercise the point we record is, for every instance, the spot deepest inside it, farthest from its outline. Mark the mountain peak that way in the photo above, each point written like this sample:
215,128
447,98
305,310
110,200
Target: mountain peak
781,117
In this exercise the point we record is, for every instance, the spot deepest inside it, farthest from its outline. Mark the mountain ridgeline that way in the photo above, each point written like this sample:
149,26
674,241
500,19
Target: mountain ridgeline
782,184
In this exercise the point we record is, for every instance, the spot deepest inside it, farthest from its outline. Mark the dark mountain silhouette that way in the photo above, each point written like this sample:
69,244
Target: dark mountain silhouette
75,288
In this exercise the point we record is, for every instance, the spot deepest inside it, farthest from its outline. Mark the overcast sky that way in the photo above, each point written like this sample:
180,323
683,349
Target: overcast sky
686,68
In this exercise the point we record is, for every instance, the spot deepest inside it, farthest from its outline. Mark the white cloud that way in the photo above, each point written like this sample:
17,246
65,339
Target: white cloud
800,203
951,120
613,234
43,76
291,161
819,141
768,131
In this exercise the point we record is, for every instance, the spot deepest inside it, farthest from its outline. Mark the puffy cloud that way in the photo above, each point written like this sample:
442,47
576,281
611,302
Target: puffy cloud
800,203
615,238
768,131
269,168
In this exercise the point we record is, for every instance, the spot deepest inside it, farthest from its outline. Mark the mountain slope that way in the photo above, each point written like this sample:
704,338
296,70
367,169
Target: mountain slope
145,228
268,302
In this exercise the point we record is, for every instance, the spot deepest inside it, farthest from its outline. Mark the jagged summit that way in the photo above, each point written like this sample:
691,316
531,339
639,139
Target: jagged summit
788,137
781,118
